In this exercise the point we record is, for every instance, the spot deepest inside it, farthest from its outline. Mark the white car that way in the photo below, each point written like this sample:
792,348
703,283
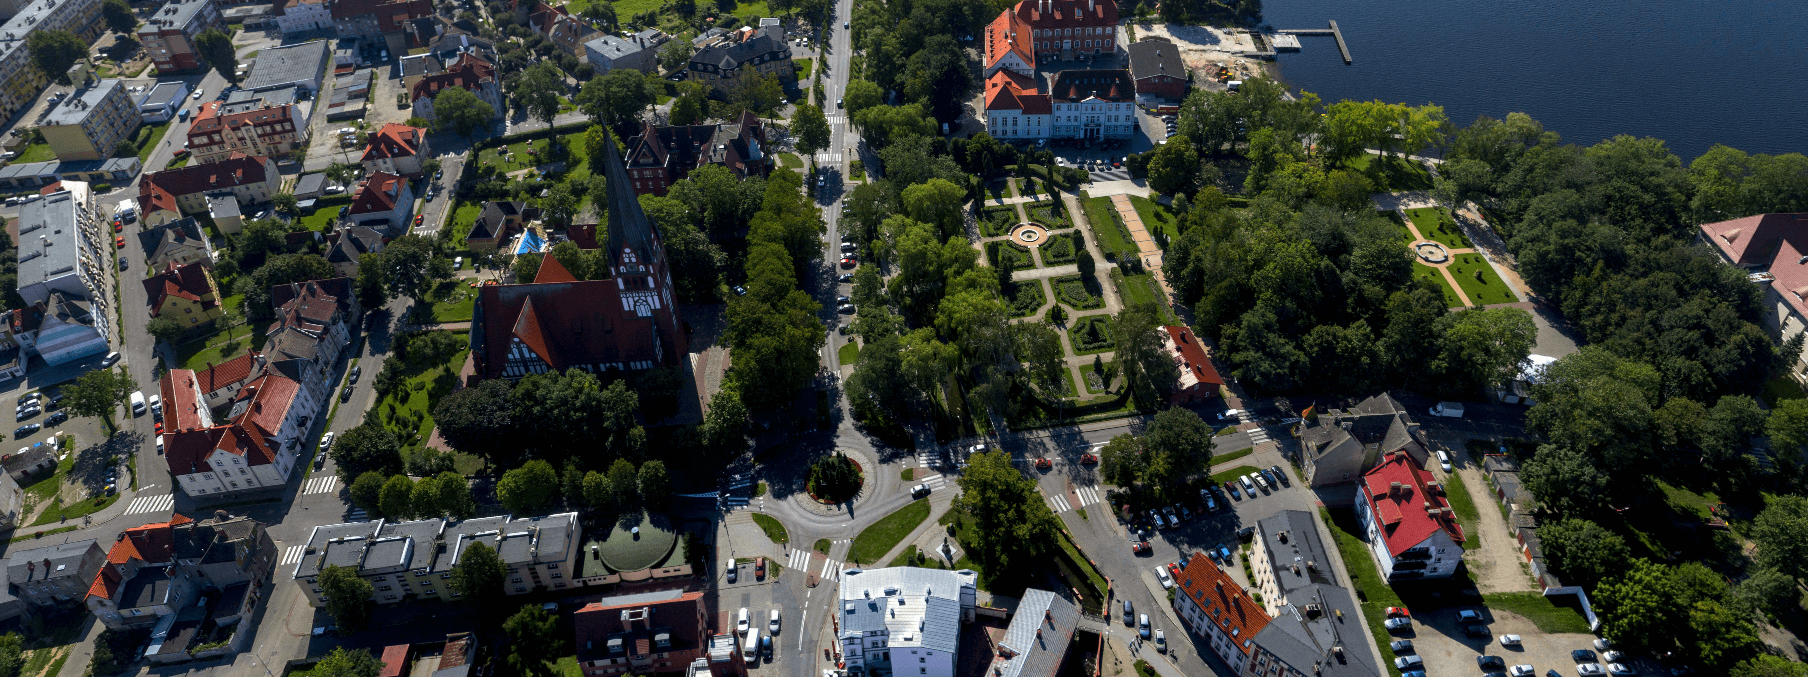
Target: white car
198,92
772,626
1411,661
1444,460
1509,640
326,441
1398,623
1590,669
741,623
1161,642
159,445
1161,574
1621,670
458,263
1613,657
1523,671
731,571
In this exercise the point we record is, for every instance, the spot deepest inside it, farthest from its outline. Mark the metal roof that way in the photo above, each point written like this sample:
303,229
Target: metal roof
1038,636
49,241
76,108
163,93
281,66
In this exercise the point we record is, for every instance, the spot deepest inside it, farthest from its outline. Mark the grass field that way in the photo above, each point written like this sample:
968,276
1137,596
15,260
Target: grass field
1539,610
1080,330
1156,216
1101,216
157,132
215,348
1458,494
1436,225
803,68
1134,289
771,526
790,161
1489,288
1782,388
463,217
883,535
453,301
1233,473
848,353
1232,456
1423,271
326,210
37,152
1395,174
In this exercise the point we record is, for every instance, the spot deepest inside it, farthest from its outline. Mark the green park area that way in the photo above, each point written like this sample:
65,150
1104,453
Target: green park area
1156,217
1436,224
426,371
880,537
1478,280
1106,228
1421,271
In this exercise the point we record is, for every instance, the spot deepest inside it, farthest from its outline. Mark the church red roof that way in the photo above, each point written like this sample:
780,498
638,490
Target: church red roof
553,271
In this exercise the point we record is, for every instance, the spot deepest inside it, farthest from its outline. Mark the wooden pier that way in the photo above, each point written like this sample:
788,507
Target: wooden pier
1333,31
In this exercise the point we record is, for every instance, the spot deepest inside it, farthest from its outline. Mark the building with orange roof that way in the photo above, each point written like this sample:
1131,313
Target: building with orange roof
186,294
313,325
396,149
215,135
470,72
1007,46
167,195
1093,104
383,201
1199,380
1069,29
254,450
1014,107
1409,524
1773,250
181,576
559,27
1215,608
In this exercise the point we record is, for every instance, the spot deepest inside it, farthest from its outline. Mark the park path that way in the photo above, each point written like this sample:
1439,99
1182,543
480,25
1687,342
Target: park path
1442,266
1482,237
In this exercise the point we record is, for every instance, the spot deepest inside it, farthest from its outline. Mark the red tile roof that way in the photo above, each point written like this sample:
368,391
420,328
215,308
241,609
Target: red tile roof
565,323
378,194
55,186
552,271
1042,14
391,14
1114,85
1007,34
181,409
1195,367
684,614
1773,242
1410,513
395,660
151,543
106,582
235,370
1222,600
1009,90
467,72
237,169
188,282
262,121
152,196
394,141
271,396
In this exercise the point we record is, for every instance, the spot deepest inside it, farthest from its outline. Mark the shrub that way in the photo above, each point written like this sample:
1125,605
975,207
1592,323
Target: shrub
1049,213
1018,255
1091,334
1078,293
1059,249
995,221
1025,298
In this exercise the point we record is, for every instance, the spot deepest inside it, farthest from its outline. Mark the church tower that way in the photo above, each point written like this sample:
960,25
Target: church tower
637,261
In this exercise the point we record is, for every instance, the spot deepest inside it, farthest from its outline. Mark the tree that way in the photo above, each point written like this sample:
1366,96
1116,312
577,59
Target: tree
98,393
1583,552
529,489
396,499
215,48
284,202
367,448
408,262
1121,460
1788,424
1484,348
724,428
1565,480
1012,525
861,95
458,110
811,129
620,485
616,99
446,494
165,328
1766,665
1781,534
1178,444
1174,166
343,662
347,596
479,573
1639,608
367,491
478,420
12,658
53,52
654,484
674,55
1768,591
372,293
533,638
537,91
1148,371
119,17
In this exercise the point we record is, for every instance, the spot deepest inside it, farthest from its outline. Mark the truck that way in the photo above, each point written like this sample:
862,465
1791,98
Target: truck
750,648
1449,409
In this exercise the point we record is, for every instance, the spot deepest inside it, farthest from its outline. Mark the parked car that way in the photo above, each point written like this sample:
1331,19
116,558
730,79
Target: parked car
1401,646
731,571
1408,661
1249,485
1468,616
1129,613
1603,644
1166,579
1522,671
845,278
1139,548
1282,476
1398,612
1477,631
356,372
1444,460
1142,625
326,441
741,622
1232,488
57,418
106,362
1397,623
1224,553
1621,669
1586,669
26,429
1582,656
772,625
759,568
1613,656
1490,662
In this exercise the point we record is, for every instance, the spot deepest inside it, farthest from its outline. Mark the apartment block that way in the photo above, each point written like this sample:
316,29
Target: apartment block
169,35
62,276
216,134
89,124
409,561
20,80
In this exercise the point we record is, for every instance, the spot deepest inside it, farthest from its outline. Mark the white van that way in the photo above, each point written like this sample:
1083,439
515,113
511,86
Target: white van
137,403
750,649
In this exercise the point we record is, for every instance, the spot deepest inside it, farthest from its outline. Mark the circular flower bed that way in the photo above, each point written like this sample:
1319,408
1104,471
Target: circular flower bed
835,479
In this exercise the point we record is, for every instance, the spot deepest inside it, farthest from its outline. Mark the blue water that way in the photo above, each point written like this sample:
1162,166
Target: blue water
1691,72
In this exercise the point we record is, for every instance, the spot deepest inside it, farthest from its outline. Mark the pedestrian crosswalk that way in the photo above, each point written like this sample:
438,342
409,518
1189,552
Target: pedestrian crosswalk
934,482
1258,436
321,485
799,560
1059,504
1079,497
928,459
831,569
144,504
1112,175
1087,495
837,119
292,554
827,158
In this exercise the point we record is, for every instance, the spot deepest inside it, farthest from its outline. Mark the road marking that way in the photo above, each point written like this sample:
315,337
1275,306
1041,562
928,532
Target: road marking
144,504
934,482
292,554
322,485
799,560
830,569
1258,436
837,119
828,158
1059,504
1087,496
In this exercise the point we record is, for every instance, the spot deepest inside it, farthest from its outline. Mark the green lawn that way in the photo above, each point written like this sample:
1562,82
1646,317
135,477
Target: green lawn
1102,217
326,211
822,545
1396,174
1090,334
463,217
1427,272
1458,494
1156,216
849,352
214,348
1435,224
453,301
1109,368
58,512
879,538
175,163
157,132
771,526
1232,456
1539,610
415,397
790,161
803,68
1782,388
37,152
999,251
1143,288
1405,233
1093,580
1233,473
1478,280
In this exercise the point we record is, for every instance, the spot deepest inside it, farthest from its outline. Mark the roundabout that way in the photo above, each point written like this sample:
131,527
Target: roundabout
1029,234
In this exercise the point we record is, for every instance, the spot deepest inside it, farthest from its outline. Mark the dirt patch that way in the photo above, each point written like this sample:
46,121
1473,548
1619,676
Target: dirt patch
1203,47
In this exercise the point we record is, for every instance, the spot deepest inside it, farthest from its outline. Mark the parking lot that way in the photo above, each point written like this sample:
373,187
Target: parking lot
1448,650
755,594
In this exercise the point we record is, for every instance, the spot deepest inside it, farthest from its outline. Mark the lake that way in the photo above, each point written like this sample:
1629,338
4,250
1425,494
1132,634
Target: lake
1691,72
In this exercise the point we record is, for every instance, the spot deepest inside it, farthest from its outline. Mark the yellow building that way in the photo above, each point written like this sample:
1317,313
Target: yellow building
91,122
186,293
20,80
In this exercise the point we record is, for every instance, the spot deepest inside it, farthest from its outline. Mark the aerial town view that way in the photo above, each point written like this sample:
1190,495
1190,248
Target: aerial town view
1044,338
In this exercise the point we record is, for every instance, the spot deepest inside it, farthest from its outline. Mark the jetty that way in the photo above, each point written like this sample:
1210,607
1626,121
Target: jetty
1333,31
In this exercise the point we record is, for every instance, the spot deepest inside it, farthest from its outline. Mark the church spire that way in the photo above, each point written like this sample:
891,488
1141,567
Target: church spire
633,240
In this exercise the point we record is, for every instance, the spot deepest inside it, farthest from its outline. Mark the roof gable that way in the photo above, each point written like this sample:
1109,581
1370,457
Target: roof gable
1408,503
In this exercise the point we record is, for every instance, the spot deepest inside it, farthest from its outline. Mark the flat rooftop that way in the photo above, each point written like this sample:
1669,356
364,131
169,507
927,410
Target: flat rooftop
76,108
280,66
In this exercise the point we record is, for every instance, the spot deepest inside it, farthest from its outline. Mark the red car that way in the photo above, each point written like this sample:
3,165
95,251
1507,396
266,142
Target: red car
117,227
1141,548
849,262
418,218
120,242
1398,612
1088,459
159,426
1043,464
1174,570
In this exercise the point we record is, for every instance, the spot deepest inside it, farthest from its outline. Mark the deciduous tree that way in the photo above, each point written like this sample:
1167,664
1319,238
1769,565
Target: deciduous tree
367,448
215,48
811,129
1781,534
536,91
343,662
533,640
119,17
98,393
396,501
1012,525
479,573
1583,552
457,110
529,489
347,596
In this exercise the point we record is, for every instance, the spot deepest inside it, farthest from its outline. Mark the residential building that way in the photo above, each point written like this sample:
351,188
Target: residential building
169,35
155,570
89,123
497,223
10,606
12,503
176,243
560,28
161,103
1214,608
1035,643
1407,520
1199,380
1015,109
1288,558
1093,104
627,323
309,187
346,245
224,210
301,66
186,294
406,561
301,16
216,135
1007,47
722,60
642,633
1068,29
904,616
661,156
639,51
1772,249
470,72
20,80
1159,72
60,277
383,201
379,22
1313,629
53,574
397,149
1339,446
255,451
459,654
455,39
314,323
219,383
166,196
25,465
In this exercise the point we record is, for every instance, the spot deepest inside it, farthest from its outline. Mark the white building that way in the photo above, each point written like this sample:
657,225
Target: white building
301,16
1014,109
256,451
896,618
67,292
1093,104
161,103
1407,520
